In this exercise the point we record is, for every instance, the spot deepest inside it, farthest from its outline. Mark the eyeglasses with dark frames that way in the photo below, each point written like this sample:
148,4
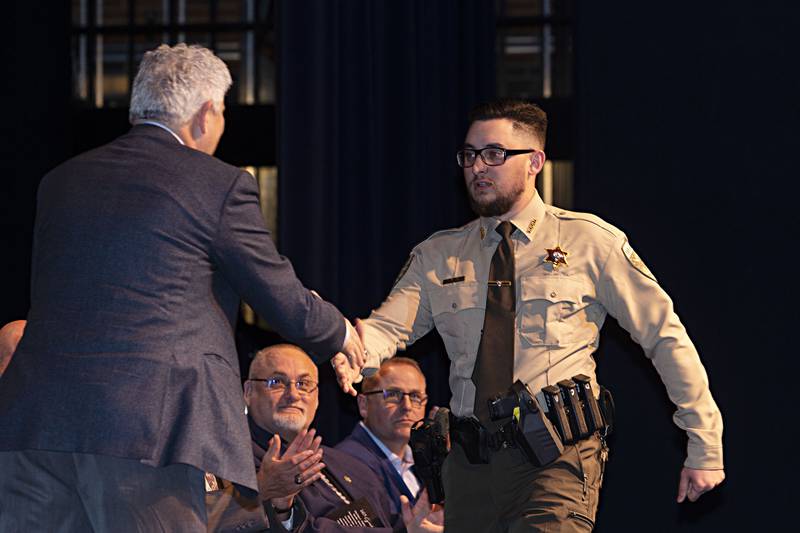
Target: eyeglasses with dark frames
493,156
395,396
280,384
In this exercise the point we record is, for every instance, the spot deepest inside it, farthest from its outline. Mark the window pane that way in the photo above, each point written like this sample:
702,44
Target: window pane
266,73
520,72
80,80
111,82
112,12
142,44
267,178
235,48
534,8
555,183
519,8
534,62
232,10
194,11
201,38
79,13
150,12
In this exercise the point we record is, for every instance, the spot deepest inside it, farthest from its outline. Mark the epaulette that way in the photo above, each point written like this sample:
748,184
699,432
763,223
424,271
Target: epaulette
453,231
563,214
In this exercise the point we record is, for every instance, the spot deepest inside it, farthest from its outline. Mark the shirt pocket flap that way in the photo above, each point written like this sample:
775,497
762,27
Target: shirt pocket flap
552,288
454,298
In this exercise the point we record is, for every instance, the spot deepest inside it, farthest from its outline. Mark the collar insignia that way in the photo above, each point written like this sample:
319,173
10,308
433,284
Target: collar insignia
531,226
347,478
483,232
556,256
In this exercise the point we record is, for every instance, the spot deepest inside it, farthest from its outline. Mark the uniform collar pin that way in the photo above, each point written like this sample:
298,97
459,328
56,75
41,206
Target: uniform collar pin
556,256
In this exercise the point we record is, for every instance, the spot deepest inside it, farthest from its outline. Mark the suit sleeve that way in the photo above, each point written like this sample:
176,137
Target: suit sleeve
246,255
403,317
632,295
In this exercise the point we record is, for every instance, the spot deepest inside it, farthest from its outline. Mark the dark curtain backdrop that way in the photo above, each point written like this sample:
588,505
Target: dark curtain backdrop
373,98
688,138
35,134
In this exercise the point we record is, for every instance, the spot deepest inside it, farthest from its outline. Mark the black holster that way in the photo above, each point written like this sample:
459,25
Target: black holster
472,437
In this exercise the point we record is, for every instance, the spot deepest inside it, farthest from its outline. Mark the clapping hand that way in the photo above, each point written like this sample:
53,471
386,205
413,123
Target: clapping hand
423,517
282,476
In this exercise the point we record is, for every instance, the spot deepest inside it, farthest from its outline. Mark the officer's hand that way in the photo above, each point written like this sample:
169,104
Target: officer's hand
278,475
353,348
346,375
695,483
422,518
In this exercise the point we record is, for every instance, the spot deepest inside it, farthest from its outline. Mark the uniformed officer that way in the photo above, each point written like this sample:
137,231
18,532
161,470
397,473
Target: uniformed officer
569,271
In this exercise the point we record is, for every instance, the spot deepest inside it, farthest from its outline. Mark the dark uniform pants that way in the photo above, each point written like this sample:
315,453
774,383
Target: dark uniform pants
511,495
74,492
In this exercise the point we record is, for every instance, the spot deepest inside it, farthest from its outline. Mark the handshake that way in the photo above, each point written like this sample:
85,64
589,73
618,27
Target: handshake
350,363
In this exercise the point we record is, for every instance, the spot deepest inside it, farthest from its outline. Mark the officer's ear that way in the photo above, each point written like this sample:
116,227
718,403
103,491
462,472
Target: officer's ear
536,161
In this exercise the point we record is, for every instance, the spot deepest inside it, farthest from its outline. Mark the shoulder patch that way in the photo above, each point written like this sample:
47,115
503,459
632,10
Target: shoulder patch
405,268
636,261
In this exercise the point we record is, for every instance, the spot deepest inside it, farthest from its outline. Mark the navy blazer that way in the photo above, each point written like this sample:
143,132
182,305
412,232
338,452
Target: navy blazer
228,511
361,446
142,251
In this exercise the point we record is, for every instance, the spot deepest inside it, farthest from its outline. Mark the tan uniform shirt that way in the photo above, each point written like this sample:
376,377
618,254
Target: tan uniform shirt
560,311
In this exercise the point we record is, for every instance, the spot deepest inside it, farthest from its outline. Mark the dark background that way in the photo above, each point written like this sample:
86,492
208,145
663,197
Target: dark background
685,136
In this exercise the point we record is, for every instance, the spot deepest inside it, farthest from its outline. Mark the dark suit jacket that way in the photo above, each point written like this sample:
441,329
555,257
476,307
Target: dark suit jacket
361,446
229,511
142,250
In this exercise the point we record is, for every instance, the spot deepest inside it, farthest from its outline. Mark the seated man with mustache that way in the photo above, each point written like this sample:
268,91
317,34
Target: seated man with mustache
303,486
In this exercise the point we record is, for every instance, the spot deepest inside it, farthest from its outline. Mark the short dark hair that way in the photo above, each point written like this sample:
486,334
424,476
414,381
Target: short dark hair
372,381
526,116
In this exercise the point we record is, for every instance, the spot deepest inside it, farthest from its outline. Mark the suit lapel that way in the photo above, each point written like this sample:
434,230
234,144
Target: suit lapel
360,435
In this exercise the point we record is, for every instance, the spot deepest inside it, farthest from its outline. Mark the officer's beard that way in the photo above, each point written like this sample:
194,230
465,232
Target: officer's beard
500,205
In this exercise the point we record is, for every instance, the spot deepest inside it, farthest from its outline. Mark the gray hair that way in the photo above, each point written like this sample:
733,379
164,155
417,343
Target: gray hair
173,82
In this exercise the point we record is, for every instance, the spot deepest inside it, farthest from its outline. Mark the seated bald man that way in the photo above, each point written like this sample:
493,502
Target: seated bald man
303,486
10,335
390,402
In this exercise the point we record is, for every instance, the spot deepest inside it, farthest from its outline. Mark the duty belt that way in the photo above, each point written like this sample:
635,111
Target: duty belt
570,413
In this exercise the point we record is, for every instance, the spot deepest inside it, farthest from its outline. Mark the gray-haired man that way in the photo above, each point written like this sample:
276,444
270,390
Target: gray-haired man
125,387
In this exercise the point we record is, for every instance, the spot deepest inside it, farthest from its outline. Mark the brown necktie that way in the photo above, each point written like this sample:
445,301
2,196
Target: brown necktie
494,367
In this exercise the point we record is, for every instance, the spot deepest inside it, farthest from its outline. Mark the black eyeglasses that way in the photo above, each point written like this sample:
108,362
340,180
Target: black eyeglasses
491,155
280,384
395,396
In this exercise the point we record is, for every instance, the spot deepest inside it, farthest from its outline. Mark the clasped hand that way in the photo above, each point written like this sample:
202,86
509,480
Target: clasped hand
348,363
